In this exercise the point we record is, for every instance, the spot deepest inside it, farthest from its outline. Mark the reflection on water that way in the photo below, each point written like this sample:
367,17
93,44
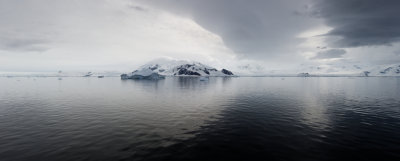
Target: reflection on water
183,118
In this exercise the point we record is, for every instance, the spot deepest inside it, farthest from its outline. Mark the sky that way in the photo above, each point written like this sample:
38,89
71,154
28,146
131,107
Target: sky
273,35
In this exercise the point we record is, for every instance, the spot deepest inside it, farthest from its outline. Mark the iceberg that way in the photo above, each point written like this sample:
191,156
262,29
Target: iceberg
203,78
143,74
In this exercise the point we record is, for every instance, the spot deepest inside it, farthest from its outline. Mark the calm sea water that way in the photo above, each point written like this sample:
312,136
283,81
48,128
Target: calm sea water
244,118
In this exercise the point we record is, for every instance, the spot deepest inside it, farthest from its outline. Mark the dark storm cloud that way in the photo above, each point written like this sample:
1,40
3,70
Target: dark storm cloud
254,28
329,54
360,22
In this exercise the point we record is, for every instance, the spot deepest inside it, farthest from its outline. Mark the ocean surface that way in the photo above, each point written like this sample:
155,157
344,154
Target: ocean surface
183,118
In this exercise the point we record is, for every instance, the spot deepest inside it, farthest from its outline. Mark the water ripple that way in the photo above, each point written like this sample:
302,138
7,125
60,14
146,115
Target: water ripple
184,119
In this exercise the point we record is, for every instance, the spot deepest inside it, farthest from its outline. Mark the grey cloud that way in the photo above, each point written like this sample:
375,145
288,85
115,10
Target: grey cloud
360,22
137,8
329,54
19,44
253,28
397,52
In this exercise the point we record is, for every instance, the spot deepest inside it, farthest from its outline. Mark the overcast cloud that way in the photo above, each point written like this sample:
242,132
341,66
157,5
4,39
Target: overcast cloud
330,54
47,35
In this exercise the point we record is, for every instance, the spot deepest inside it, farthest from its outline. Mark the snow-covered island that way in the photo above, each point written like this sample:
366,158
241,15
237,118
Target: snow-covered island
159,68
303,75
391,70
383,71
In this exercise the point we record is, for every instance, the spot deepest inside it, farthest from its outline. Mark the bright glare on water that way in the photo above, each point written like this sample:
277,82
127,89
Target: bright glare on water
183,118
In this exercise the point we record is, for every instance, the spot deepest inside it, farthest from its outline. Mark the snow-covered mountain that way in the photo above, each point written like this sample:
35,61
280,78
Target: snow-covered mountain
343,69
171,67
332,69
353,70
385,70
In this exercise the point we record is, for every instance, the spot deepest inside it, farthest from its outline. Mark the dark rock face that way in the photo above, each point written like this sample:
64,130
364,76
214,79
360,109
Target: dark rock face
206,71
154,67
227,72
185,66
124,76
366,73
198,69
183,71
386,70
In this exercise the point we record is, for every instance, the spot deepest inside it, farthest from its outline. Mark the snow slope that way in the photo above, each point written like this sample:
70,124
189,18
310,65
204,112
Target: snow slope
385,70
